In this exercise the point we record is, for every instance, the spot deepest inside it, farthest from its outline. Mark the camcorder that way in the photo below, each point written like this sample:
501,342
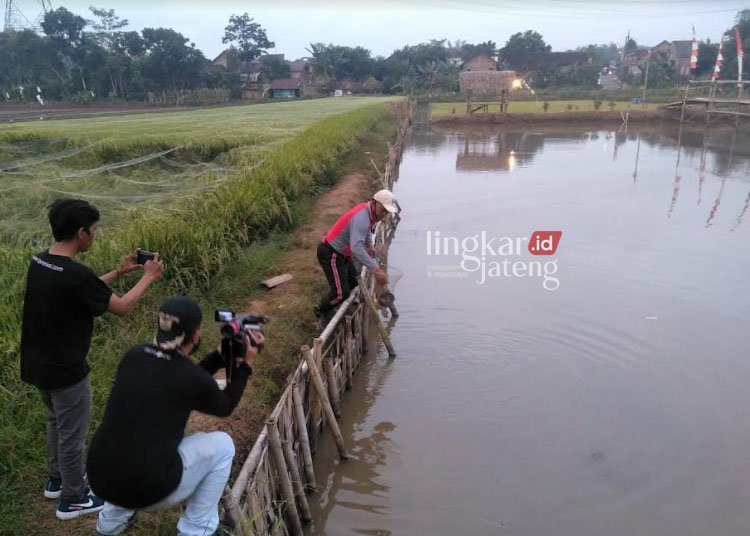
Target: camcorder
233,330
143,256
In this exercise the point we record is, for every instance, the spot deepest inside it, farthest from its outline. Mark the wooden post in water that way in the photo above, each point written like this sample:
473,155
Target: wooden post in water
376,317
274,443
299,418
299,489
348,350
314,403
333,388
321,390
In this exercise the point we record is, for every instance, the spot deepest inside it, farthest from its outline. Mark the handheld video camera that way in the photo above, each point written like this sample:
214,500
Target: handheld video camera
233,331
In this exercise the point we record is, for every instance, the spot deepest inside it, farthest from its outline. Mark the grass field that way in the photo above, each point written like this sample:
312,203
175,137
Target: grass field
438,109
219,233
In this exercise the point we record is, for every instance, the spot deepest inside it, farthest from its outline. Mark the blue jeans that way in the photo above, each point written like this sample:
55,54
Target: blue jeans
206,463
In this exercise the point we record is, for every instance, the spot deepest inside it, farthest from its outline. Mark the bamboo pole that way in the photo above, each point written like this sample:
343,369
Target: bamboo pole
299,489
287,493
333,388
299,417
250,466
348,350
232,507
330,417
314,405
341,341
378,322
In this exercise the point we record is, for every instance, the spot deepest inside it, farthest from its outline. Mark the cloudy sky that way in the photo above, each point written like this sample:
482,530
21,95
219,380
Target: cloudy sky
385,25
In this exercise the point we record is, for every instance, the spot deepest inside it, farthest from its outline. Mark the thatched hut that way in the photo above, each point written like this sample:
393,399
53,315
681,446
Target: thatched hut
486,82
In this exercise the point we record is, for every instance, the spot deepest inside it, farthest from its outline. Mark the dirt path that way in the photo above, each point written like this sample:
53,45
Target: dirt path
290,306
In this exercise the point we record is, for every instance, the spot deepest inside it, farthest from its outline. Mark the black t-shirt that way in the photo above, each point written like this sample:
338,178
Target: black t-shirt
133,460
62,299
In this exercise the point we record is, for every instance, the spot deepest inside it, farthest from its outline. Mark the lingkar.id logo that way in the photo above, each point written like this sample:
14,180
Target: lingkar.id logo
493,257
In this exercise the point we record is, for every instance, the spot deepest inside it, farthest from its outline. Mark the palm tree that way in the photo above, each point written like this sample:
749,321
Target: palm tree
326,60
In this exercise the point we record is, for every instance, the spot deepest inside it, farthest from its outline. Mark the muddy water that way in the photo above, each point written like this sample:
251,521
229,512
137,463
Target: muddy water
615,403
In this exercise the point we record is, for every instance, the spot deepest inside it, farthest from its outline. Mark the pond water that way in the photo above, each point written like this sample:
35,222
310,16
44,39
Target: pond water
603,389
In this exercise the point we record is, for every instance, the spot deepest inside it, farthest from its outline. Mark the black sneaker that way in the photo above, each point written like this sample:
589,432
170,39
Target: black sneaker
53,488
87,504
317,312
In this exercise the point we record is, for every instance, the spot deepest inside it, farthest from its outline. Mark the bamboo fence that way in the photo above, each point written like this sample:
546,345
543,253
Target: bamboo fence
268,496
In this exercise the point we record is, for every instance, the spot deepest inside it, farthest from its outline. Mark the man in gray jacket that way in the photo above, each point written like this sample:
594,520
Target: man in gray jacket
351,236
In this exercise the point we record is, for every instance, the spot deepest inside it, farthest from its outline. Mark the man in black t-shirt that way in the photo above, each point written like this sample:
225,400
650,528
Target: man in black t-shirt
139,458
62,298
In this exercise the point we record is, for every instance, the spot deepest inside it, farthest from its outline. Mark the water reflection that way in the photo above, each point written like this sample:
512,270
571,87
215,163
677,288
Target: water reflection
356,488
699,152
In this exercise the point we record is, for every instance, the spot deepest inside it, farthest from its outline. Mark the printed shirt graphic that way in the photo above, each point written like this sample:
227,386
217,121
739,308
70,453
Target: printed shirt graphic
351,234
62,299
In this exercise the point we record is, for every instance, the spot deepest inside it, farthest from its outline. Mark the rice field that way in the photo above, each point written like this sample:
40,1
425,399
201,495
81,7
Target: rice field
438,109
127,163
208,189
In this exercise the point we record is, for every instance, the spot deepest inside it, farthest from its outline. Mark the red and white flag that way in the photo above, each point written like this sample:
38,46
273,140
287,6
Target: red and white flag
740,53
719,60
694,52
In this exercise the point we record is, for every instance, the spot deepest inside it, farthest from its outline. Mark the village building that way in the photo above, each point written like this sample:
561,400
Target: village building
251,77
285,88
677,52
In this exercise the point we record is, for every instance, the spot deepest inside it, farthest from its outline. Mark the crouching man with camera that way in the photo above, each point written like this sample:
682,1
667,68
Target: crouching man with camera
139,457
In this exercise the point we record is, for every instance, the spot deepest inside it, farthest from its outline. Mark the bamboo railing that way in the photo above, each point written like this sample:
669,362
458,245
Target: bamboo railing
268,496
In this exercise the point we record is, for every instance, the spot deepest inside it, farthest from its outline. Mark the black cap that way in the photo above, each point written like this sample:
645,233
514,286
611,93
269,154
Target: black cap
178,320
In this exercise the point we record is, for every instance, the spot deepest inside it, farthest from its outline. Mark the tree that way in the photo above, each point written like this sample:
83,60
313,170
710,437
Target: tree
108,20
64,26
742,23
661,71
169,62
107,25
250,36
358,63
630,45
468,50
525,51
276,67
707,52
326,60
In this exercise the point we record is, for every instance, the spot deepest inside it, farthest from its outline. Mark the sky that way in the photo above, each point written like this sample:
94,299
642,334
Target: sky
385,25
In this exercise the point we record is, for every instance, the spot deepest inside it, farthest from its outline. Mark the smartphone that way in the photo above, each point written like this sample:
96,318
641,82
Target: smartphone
144,256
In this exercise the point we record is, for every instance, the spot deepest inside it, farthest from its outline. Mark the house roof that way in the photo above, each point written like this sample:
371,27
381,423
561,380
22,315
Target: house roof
285,83
221,55
481,55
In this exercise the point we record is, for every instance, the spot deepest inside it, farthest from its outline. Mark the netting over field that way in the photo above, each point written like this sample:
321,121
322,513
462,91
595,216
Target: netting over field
139,162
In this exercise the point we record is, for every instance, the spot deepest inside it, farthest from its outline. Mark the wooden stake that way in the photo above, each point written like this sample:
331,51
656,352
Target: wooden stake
348,350
376,317
274,443
299,417
327,410
314,402
333,388
299,489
